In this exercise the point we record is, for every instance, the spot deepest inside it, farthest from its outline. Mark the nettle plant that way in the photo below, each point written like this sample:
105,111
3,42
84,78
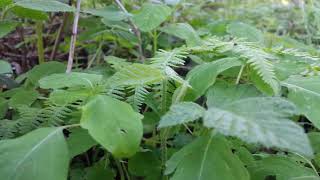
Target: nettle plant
240,111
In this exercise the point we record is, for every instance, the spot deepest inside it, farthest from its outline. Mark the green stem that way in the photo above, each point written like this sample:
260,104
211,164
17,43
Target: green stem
39,28
164,133
240,74
155,41
95,55
125,171
122,177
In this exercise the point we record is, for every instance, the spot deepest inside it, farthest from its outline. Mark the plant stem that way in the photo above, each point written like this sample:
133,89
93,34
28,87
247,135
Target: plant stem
60,32
240,74
95,55
122,177
135,30
74,37
155,41
125,171
39,28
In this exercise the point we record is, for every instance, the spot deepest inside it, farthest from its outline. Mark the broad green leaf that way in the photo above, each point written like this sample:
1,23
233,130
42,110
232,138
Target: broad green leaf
145,164
183,31
74,79
29,13
7,82
285,68
64,97
203,76
151,16
42,70
261,84
304,92
5,3
5,67
246,31
40,154
224,93
6,27
110,13
45,5
206,158
79,141
136,74
283,168
262,120
24,97
113,124
3,107
181,113
99,171
315,141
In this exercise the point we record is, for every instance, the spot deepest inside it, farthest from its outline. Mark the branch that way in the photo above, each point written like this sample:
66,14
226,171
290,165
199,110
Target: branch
59,35
134,28
74,37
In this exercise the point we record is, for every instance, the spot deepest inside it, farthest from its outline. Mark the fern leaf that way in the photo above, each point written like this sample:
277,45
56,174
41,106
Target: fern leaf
138,97
164,59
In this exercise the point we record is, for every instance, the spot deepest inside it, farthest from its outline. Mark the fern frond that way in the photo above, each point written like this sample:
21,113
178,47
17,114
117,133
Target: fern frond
305,56
251,53
173,58
138,96
260,61
136,74
28,120
8,129
114,91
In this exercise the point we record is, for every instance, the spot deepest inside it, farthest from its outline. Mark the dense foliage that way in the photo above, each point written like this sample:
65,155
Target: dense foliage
181,90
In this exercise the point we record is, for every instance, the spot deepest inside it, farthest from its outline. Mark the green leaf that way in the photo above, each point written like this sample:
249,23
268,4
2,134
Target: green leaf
151,16
283,168
79,141
183,31
110,13
246,31
45,5
3,107
43,70
136,74
181,113
5,67
7,82
28,157
99,172
315,141
5,3
113,124
260,83
24,97
203,76
224,93
304,92
5,28
145,164
74,79
206,158
29,13
263,120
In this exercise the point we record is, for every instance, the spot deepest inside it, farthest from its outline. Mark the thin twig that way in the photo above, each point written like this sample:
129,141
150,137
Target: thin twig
134,28
59,35
74,37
